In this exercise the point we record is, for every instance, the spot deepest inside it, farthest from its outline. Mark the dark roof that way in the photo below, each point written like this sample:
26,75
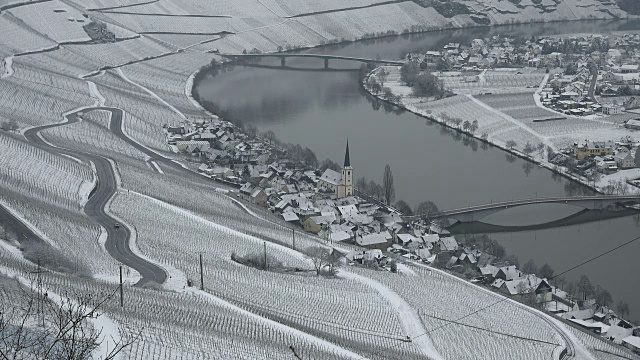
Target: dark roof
347,161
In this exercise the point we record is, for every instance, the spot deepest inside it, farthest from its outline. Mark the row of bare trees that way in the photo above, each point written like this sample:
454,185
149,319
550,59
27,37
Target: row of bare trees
34,325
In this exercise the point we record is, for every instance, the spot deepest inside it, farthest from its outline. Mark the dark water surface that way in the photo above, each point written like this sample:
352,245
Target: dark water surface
322,109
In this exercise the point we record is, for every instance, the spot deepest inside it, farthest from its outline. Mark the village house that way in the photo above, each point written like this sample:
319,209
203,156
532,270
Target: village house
632,343
611,109
593,148
633,124
624,159
259,197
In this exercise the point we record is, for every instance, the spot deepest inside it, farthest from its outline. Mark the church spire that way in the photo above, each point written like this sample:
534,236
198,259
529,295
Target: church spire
347,161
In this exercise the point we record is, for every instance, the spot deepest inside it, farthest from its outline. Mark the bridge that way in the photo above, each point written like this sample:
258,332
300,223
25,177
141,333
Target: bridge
475,213
284,56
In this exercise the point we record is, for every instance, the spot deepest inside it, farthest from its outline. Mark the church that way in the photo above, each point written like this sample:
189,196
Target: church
341,183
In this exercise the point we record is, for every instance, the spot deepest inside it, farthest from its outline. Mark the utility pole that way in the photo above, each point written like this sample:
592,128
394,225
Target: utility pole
41,297
294,238
201,274
121,289
265,255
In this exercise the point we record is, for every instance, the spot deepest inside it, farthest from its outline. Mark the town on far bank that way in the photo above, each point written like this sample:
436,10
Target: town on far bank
355,217
569,103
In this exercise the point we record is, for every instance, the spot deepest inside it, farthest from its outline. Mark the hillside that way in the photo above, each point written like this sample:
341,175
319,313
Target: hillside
88,114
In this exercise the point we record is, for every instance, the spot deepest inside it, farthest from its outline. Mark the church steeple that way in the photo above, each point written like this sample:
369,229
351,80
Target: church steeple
347,160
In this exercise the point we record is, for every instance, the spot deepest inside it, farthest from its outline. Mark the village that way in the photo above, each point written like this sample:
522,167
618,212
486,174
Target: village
563,88
328,204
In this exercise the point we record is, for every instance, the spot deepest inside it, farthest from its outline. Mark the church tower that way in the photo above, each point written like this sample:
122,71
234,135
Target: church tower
347,175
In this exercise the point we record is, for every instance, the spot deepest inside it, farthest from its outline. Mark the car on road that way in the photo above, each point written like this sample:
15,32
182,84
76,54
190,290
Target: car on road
116,225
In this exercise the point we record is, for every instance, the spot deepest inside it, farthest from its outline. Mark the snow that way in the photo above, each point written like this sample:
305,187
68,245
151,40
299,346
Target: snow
409,318
8,69
123,76
93,89
338,349
404,269
176,278
36,172
56,25
107,328
199,219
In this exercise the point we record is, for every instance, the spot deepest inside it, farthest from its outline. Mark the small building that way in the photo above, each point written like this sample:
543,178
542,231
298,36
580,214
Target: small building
619,330
259,197
633,124
632,343
624,159
629,68
373,241
611,109
593,148
290,217
314,224
507,273
448,244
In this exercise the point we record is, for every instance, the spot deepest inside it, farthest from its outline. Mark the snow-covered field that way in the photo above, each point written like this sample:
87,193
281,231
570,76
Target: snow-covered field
341,314
52,178
55,19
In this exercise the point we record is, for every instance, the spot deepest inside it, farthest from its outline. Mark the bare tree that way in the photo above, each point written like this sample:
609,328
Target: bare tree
362,185
585,287
474,126
511,144
322,258
603,297
528,148
530,267
466,125
375,190
623,308
41,328
387,185
546,272
251,130
404,208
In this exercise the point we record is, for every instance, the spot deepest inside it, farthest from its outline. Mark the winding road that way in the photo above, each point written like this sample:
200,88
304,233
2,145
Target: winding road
117,243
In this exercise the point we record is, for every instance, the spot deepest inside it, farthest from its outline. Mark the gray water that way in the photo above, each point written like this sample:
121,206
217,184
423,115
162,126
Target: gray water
322,109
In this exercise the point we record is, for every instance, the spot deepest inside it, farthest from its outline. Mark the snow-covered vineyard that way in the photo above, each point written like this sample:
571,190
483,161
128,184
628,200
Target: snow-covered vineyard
83,59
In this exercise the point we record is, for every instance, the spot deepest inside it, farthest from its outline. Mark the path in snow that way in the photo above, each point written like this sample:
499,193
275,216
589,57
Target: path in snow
93,89
8,67
409,318
125,78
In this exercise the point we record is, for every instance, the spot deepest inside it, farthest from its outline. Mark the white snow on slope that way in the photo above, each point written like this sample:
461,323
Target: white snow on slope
93,89
8,67
285,249
409,318
322,343
125,78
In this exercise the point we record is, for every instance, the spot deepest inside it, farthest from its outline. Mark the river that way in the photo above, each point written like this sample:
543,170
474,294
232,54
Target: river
303,104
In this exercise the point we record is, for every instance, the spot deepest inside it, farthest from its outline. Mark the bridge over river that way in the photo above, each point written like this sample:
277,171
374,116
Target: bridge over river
475,213
284,56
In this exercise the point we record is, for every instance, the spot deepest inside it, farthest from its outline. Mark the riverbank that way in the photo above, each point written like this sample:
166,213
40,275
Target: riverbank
401,97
